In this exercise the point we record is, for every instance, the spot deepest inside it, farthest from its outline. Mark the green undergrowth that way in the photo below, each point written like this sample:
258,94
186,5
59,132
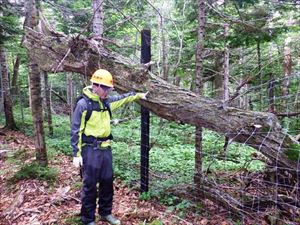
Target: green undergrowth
74,220
35,171
293,152
171,156
154,222
172,152
57,144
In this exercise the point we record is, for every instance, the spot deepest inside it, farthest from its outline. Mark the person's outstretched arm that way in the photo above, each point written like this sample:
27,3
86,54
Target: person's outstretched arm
117,101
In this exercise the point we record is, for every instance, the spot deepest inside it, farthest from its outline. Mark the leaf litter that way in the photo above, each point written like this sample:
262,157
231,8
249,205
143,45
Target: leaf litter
35,202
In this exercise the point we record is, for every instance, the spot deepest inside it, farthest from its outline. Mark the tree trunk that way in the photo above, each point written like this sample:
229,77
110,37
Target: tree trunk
226,66
14,86
243,100
271,93
37,111
199,89
70,94
287,69
98,21
48,113
165,69
98,17
8,105
259,73
226,77
259,130
35,88
218,78
1,95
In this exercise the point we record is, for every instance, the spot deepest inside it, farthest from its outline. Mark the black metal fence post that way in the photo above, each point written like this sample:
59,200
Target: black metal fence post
145,115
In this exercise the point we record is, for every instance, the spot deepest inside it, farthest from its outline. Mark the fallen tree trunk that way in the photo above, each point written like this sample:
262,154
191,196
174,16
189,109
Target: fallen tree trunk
259,130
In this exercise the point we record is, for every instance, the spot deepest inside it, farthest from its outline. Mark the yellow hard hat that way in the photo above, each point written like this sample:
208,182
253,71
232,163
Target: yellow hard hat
103,77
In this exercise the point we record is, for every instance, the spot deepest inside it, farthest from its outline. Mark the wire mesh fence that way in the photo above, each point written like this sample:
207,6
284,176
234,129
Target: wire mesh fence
236,178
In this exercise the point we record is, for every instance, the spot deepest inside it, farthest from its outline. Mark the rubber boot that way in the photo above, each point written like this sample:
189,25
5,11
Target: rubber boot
91,223
111,219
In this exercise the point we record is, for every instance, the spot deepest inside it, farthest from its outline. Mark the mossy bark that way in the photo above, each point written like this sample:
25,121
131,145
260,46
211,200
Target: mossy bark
259,130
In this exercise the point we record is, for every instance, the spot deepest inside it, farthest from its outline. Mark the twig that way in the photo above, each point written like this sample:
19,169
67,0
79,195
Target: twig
226,17
105,40
60,97
20,214
120,22
69,50
246,81
76,199
124,15
91,20
32,210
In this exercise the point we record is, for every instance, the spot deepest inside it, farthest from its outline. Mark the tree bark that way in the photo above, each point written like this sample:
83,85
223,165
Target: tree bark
218,77
15,76
243,100
98,17
226,66
70,94
97,6
35,88
48,113
1,95
259,130
37,111
8,105
287,69
164,50
199,89
259,73
226,77
271,93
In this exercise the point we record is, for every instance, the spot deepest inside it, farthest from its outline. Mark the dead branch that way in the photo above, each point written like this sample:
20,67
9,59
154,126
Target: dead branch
59,96
288,114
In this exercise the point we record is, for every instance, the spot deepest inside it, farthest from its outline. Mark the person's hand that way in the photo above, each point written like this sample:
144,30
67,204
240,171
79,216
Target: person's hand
77,161
144,95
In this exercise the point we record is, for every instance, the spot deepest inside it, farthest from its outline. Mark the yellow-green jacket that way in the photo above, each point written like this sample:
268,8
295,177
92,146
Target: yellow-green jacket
98,125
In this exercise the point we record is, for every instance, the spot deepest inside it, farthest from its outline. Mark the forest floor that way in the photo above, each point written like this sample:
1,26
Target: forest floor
36,202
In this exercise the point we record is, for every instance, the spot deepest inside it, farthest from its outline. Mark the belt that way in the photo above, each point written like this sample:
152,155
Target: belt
101,145
91,139
97,142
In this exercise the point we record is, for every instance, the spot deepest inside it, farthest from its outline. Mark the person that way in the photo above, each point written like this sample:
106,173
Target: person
91,142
